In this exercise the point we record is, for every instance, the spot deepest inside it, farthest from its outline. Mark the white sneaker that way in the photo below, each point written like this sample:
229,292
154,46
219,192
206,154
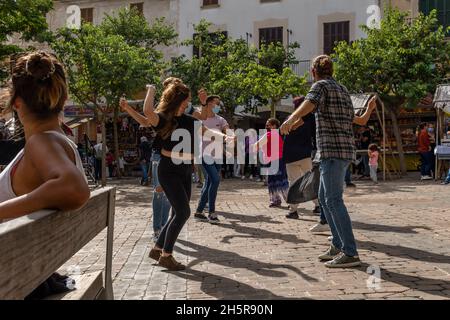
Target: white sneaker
243,178
330,238
426,178
320,228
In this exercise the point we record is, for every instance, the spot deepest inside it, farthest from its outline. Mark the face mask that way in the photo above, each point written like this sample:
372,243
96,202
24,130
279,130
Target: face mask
430,130
216,109
188,109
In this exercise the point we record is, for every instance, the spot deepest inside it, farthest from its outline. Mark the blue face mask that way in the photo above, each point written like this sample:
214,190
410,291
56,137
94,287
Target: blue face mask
216,109
188,109
430,130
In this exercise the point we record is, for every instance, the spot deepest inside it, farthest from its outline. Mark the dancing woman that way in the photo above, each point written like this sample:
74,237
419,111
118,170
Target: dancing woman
175,169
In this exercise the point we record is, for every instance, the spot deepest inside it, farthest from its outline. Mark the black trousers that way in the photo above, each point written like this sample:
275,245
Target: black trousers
176,183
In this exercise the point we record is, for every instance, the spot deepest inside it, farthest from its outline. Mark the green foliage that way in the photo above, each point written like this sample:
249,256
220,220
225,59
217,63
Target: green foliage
270,85
237,72
133,27
115,58
276,56
24,17
401,61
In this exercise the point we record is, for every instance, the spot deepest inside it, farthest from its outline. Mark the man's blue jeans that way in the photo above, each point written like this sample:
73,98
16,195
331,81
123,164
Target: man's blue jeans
331,190
160,203
210,188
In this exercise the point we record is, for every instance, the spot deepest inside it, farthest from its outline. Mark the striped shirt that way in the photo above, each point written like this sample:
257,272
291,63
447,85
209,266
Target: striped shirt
334,120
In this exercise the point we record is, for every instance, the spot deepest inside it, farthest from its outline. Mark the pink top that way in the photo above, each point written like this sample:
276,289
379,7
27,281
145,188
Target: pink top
373,161
275,151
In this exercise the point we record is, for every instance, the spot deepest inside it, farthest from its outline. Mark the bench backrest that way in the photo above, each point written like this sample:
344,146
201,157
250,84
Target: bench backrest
35,246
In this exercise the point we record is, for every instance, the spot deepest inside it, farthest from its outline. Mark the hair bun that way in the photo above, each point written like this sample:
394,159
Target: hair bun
40,66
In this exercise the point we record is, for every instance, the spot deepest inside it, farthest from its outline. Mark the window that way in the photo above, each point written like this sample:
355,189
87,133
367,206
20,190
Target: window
207,3
271,35
216,37
138,6
87,15
333,33
442,7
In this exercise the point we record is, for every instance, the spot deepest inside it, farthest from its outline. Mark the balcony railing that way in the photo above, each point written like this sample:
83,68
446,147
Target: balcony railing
302,68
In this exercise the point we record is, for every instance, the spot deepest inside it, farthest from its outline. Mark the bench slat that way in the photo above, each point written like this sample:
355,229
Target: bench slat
37,245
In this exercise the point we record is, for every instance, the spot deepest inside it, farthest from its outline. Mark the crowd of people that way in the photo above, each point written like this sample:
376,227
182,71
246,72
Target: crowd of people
319,132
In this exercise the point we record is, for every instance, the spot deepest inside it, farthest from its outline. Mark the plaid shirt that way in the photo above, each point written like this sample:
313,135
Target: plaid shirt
334,120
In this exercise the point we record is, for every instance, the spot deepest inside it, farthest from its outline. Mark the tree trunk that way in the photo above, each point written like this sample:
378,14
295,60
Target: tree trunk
116,142
103,151
273,109
398,139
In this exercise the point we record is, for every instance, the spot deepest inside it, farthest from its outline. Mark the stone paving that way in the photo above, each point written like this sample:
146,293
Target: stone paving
402,228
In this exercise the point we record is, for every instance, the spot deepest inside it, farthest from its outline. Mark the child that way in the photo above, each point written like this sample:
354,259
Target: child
277,180
373,162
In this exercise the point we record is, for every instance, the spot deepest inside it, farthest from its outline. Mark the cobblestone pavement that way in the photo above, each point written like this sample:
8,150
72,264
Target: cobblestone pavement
402,228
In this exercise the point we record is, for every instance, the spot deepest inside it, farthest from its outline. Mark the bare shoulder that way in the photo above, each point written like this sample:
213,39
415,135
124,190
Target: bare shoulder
46,146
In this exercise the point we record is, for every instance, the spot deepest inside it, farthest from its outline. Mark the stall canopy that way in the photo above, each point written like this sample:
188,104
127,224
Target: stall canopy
442,105
442,98
360,101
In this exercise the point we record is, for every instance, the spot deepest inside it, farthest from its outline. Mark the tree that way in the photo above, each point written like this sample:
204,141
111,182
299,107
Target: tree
101,67
25,18
236,71
138,33
196,72
273,86
401,61
228,76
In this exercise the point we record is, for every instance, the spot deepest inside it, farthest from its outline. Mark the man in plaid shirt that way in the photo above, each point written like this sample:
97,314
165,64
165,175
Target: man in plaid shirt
335,116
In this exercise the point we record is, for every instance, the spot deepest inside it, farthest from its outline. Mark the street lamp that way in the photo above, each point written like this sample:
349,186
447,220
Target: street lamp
289,33
249,35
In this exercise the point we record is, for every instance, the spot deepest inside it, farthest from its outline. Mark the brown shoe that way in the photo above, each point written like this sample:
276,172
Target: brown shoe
171,264
155,254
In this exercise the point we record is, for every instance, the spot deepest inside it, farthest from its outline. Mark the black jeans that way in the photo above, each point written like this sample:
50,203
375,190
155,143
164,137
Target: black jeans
98,169
176,183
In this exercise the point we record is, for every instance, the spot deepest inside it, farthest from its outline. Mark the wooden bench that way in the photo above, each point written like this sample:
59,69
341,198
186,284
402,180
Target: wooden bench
33,247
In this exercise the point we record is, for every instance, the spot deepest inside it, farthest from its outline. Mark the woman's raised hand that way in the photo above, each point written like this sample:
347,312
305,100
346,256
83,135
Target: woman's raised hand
202,96
124,104
151,89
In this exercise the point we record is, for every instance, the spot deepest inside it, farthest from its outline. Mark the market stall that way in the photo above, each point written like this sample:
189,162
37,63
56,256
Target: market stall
360,102
442,104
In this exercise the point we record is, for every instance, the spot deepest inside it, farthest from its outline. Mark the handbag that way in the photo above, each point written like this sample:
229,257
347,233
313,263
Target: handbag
306,188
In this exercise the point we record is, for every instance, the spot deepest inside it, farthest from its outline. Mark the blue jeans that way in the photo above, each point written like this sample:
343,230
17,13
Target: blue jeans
160,203
448,177
331,190
210,188
144,167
